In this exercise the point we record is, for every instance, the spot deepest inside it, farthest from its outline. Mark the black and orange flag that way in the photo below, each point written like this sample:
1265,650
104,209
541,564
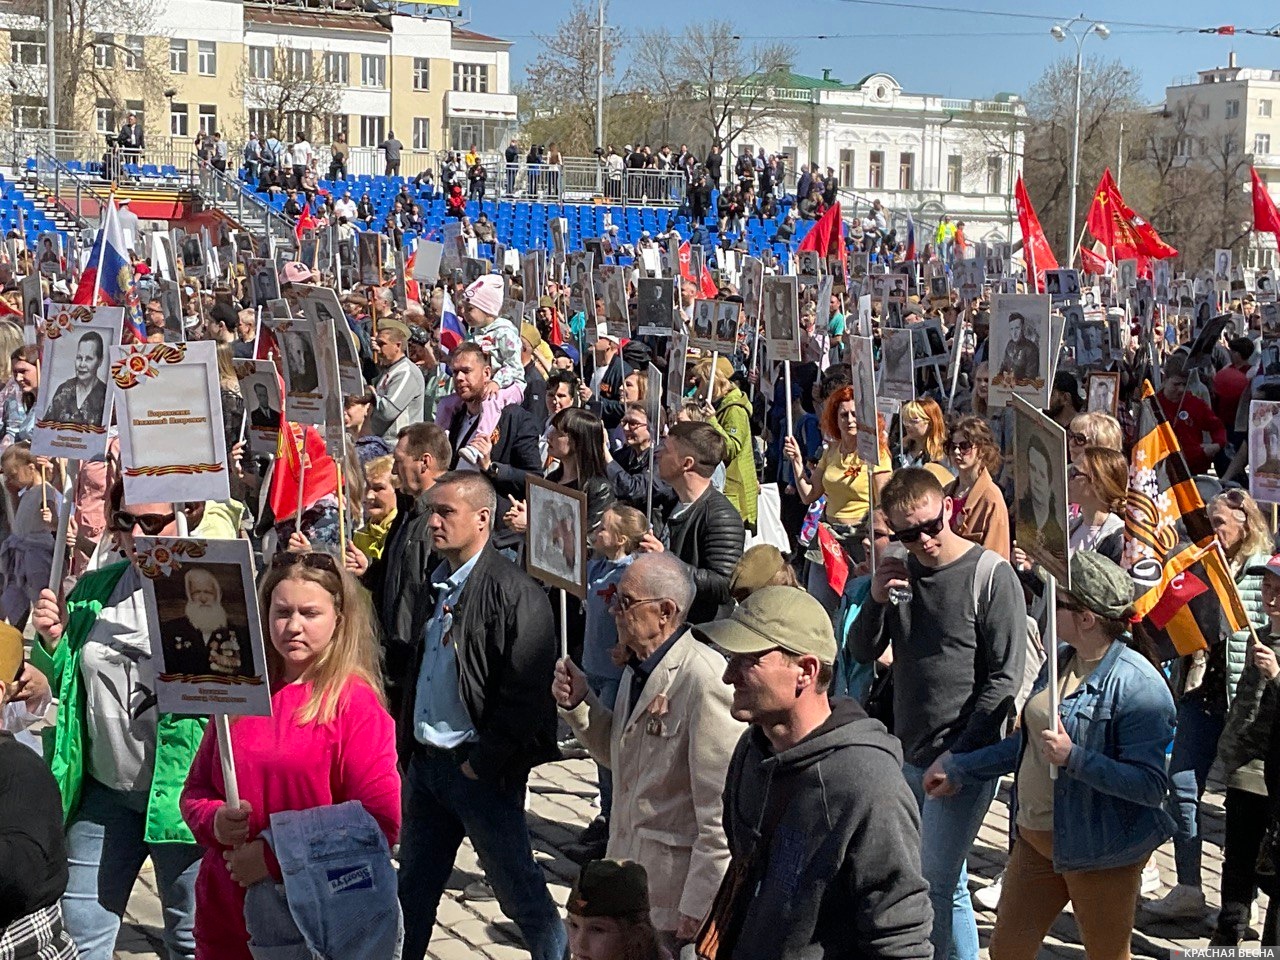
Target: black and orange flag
1181,585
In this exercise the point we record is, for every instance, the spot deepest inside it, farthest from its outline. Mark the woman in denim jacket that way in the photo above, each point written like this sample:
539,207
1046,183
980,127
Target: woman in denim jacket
1084,836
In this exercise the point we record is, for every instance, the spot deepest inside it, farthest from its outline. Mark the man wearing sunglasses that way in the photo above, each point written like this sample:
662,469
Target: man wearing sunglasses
959,648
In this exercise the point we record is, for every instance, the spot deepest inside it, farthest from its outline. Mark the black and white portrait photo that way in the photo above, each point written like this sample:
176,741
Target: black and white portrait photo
1040,489
655,299
1019,347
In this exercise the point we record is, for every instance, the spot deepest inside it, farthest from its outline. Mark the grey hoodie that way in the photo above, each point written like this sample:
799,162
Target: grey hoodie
842,876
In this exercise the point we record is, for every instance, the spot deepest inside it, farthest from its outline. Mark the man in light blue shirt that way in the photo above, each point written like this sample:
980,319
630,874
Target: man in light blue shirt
439,717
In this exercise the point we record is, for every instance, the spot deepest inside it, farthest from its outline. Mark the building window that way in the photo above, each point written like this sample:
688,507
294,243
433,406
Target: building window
104,116
133,52
335,124
1233,109
337,69
1262,143
262,63
208,118
260,122
373,70
207,58
421,73
30,113
300,63
1264,108
177,56
847,158
1204,111
372,131
179,120
104,52
421,133
27,47
295,125
875,170
955,173
471,77
995,174
906,171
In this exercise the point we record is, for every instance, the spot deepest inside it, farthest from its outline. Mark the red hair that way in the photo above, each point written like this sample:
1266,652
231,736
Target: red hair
830,422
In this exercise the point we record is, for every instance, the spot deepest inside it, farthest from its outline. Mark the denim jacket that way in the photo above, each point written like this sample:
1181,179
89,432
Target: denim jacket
1108,799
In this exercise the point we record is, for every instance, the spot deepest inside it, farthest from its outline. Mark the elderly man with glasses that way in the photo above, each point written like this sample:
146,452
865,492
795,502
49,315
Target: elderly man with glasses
667,739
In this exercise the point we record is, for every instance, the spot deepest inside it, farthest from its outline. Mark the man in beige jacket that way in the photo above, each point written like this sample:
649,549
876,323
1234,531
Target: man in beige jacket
667,740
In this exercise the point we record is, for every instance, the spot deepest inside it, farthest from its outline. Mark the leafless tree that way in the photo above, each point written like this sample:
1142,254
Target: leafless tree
295,92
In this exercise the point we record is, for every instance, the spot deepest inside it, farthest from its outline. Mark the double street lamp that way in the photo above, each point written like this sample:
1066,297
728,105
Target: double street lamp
1077,28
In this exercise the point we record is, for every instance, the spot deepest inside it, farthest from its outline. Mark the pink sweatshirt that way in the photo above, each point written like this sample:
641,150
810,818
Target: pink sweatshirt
281,765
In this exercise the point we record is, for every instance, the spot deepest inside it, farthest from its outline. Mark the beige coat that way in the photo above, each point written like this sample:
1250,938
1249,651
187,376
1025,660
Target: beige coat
669,761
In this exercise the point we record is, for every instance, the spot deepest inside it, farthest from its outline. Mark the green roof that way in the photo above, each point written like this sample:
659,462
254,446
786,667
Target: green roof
796,81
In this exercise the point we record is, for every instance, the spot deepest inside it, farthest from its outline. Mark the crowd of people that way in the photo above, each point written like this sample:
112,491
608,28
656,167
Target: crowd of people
791,763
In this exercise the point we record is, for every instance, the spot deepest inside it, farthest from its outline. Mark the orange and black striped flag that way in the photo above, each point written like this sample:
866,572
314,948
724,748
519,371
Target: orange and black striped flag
1181,589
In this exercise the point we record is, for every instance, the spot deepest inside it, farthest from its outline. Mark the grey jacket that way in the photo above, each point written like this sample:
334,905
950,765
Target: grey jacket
838,874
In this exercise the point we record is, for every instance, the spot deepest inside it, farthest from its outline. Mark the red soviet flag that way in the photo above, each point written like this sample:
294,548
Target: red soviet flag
833,558
826,236
1035,247
1265,216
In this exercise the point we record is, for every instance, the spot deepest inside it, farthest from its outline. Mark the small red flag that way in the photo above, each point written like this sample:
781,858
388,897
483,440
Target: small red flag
1265,216
826,236
705,284
833,558
305,222
1035,246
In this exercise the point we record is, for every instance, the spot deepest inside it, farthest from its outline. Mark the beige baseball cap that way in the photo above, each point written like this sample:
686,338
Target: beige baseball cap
774,617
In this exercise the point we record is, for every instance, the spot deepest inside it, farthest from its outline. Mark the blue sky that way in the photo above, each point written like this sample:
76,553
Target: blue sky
954,51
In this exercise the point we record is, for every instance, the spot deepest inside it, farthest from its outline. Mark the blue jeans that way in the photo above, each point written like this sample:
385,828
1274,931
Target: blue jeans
1195,744
443,806
948,827
105,851
606,688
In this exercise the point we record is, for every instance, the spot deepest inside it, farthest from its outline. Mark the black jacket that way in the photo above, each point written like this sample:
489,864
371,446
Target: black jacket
629,474
830,836
535,395
709,537
33,847
506,646
515,453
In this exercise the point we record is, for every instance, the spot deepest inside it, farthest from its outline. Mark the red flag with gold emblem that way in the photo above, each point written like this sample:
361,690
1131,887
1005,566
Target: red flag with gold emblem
1036,250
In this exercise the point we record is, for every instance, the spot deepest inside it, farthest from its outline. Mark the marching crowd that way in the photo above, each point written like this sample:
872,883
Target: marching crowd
794,759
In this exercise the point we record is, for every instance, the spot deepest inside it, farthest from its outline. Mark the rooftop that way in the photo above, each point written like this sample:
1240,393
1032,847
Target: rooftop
461,33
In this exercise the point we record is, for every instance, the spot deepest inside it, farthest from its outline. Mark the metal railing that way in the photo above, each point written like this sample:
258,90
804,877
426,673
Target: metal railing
76,194
229,194
86,147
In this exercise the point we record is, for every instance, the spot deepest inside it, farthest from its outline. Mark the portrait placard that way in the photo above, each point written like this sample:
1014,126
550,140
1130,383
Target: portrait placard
703,335
260,387
1104,392
752,284
655,306
369,252
169,411
296,339
967,279
727,315
1062,284
322,307
929,344
679,359
264,282
208,652
1020,351
49,254
780,312
897,372
32,307
616,317
862,363
72,401
1264,450
1040,489
556,544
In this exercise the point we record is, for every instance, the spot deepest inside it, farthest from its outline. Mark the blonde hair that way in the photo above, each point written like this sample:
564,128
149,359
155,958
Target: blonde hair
378,467
691,407
226,368
352,652
11,338
935,438
1257,535
1100,429
628,523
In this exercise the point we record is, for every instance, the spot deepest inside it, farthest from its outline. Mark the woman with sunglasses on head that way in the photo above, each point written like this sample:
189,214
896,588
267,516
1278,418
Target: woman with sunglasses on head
979,512
1098,486
329,740
1093,429
1205,684
1083,837
842,477
119,762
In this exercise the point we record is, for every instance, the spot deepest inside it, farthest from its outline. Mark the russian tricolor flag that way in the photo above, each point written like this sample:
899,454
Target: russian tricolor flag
107,279
451,332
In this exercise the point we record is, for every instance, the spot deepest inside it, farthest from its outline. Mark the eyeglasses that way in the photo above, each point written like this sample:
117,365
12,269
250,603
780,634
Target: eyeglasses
151,524
929,529
624,603
960,446
635,424
1078,439
741,661
313,560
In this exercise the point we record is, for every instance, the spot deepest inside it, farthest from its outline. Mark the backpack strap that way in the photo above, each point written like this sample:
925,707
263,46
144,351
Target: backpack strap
983,576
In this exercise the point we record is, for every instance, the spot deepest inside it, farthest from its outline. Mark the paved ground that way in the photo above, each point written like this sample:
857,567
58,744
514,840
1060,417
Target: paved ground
561,804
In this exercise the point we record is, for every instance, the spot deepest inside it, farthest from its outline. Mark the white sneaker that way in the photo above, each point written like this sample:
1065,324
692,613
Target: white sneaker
988,897
1150,878
1183,901
470,454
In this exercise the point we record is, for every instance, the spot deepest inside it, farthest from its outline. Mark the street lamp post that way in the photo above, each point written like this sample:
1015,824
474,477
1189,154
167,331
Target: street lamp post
1060,32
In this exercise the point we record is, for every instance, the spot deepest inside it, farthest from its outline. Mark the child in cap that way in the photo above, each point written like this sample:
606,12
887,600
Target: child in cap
500,340
608,911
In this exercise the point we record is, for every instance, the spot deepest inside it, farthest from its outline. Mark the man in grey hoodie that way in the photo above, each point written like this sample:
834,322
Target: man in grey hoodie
823,831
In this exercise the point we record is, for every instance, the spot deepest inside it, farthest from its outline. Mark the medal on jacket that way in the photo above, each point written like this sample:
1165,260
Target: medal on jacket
657,710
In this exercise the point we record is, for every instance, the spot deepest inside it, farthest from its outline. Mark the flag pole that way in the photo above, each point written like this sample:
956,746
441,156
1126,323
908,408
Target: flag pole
102,242
1051,649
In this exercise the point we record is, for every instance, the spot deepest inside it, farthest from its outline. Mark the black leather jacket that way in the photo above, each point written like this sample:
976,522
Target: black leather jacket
709,537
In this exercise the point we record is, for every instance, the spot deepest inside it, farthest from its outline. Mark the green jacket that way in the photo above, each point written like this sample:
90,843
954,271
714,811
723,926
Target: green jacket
1242,748
733,422
177,737
1247,776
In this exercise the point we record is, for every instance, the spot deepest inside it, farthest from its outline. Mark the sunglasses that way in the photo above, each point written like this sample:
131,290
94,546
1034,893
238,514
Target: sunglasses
929,529
314,560
1235,499
151,524
1079,439
960,446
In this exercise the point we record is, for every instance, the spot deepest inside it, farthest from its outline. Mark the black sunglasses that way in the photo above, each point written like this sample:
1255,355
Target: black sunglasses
929,529
151,524
963,446
1077,438
313,559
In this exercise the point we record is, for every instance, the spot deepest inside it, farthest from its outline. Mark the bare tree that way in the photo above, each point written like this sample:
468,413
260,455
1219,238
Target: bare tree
710,77
293,90
558,96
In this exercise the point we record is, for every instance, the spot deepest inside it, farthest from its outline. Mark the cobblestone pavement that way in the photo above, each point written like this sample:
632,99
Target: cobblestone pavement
561,803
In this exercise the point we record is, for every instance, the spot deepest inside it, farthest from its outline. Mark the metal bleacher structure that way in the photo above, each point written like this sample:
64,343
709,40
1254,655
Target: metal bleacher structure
54,192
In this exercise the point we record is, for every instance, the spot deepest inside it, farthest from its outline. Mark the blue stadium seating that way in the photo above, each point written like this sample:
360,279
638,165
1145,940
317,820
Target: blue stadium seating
34,220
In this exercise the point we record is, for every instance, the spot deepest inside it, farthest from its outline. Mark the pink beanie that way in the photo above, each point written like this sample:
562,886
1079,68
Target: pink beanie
485,294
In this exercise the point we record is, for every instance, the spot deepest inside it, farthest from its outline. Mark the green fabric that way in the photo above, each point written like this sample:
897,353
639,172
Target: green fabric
733,422
177,737
1247,776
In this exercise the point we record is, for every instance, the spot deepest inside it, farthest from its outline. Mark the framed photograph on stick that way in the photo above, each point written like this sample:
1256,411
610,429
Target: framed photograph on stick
1264,450
260,387
897,368
296,339
73,412
655,306
780,311
556,551
1020,351
169,410
1104,392
208,651
1040,489
862,363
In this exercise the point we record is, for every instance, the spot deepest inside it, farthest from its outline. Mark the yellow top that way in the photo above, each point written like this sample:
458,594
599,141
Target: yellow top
847,484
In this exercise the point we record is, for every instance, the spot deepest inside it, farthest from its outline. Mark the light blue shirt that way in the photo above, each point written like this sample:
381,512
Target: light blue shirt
440,718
